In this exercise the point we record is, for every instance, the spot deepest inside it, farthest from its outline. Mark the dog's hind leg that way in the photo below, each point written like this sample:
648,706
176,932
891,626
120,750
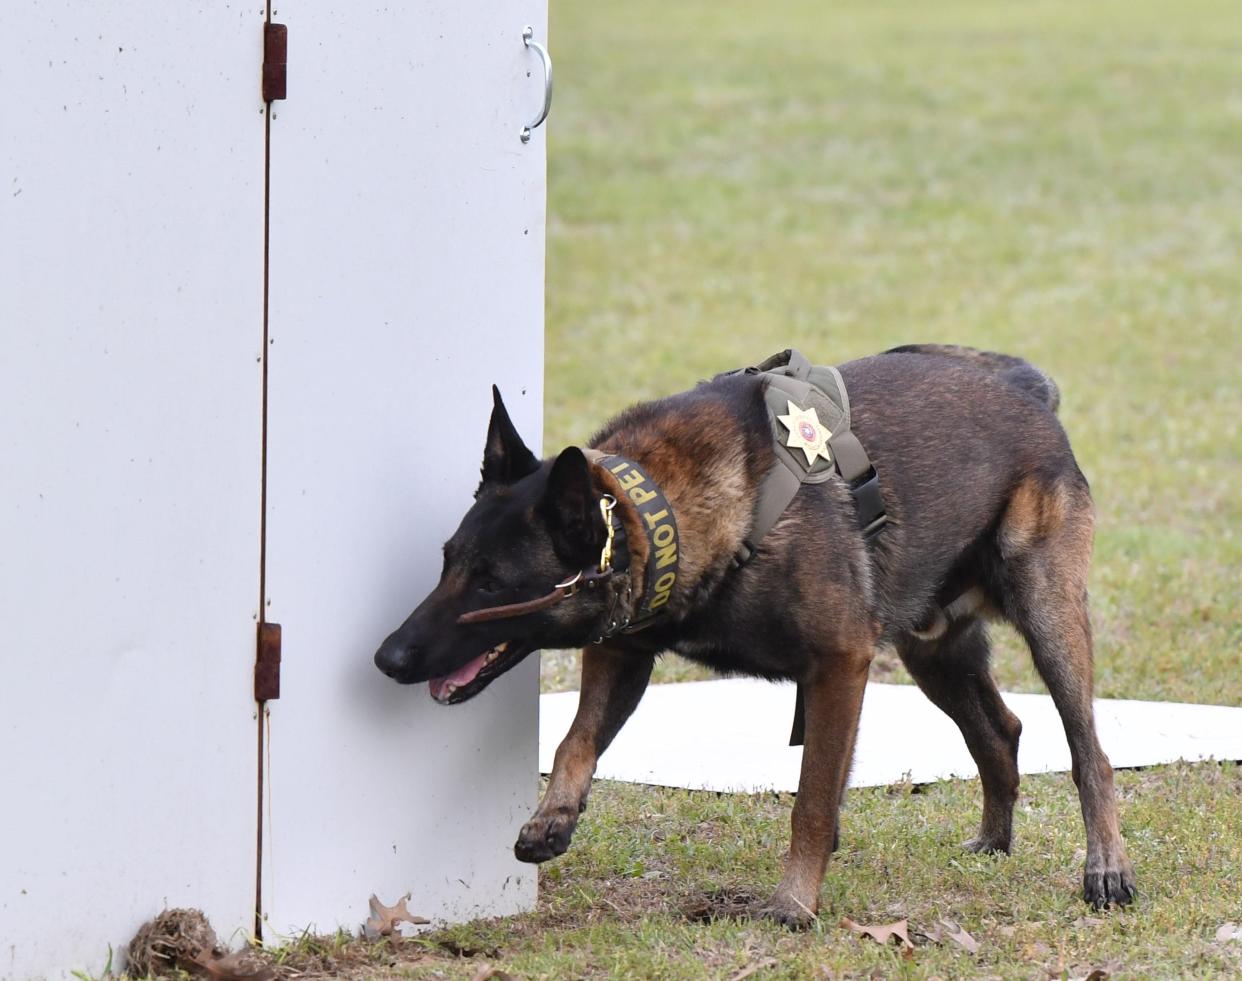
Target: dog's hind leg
612,686
1045,541
832,699
953,672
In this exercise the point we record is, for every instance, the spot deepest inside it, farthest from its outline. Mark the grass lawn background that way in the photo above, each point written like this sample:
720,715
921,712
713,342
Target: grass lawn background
1057,180
1060,180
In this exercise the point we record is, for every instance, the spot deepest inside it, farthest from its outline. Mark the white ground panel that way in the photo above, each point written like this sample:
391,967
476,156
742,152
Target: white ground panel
131,152
902,736
407,276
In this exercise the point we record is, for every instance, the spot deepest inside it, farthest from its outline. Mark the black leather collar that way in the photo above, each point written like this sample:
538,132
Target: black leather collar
663,542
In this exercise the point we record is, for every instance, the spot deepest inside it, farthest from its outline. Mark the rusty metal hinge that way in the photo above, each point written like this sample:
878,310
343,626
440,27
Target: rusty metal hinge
275,59
267,663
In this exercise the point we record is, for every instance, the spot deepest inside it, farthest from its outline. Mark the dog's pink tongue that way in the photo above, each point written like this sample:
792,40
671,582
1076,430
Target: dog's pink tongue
462,676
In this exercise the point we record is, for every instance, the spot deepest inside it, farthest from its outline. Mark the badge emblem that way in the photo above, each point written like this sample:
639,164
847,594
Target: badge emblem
807,433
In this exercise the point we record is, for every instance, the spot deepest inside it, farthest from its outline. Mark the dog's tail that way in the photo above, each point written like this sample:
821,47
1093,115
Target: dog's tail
1021,374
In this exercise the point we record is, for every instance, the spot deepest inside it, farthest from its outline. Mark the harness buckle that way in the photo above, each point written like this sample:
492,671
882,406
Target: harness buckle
869,503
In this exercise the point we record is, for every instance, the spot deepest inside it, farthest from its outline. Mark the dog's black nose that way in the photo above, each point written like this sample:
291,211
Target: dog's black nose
389,659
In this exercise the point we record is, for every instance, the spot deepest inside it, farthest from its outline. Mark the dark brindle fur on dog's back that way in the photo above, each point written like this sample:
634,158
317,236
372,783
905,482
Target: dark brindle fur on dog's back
989,516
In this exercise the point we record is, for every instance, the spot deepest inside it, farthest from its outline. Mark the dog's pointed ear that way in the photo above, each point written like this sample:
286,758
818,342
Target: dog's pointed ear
505,457
571,508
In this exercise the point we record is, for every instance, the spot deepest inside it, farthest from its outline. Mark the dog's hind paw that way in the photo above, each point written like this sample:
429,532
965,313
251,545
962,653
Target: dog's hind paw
545,836
788,912
1109,886
984,845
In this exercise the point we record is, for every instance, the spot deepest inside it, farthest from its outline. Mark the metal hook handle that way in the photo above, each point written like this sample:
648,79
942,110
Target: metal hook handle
528,39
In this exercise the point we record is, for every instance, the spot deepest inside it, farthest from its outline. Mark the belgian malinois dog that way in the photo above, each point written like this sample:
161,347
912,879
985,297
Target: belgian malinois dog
989,516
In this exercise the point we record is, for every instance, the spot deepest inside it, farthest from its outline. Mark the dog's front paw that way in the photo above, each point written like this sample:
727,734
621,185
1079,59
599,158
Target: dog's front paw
1109,885
788,912
545,836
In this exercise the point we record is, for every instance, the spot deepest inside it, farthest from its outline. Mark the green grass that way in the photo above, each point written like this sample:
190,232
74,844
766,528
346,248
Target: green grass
631,897
1058,180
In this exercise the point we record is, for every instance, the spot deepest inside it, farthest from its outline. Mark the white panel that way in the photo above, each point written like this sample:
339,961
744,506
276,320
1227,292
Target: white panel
131,151
407,276
752,753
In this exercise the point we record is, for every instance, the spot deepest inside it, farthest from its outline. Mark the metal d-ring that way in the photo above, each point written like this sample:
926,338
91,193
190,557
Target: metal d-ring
570,585
528,39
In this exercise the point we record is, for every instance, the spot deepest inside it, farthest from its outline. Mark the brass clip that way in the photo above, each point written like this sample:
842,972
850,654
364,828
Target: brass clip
606,504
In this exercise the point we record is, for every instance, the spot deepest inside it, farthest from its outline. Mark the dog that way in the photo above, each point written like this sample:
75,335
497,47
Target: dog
988,516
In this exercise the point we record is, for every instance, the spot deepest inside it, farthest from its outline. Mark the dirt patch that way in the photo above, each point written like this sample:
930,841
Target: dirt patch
339,957
720,904
467,951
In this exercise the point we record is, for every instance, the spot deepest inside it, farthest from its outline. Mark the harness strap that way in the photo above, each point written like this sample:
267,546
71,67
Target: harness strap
777,491
797,735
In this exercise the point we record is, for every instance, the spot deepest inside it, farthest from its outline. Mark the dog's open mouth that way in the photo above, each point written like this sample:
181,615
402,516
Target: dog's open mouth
472,677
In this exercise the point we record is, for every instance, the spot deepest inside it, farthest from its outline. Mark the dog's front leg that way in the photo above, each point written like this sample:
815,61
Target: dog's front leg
613,683
832,700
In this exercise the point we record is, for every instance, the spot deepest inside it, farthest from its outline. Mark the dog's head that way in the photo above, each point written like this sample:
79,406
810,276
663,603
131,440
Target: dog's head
532,525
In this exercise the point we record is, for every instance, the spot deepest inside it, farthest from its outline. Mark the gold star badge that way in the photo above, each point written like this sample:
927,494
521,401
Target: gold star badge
807,433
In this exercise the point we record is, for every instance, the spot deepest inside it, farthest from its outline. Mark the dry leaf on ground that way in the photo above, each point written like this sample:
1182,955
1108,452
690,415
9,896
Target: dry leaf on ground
949,930
384,919
884,933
